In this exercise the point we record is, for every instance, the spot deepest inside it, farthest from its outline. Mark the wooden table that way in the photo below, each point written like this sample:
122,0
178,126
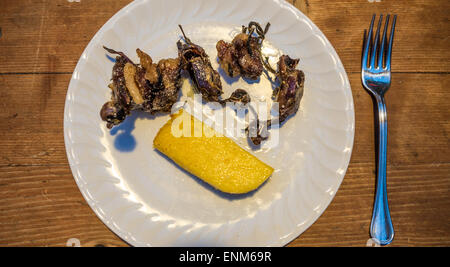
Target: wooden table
41,41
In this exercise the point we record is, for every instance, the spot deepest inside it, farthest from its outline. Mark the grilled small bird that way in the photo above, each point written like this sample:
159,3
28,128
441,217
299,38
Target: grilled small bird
288,94
243,55
196,62
147,86
206,80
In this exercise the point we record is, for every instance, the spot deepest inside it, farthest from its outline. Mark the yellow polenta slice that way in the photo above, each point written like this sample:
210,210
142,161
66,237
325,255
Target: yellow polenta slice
216,160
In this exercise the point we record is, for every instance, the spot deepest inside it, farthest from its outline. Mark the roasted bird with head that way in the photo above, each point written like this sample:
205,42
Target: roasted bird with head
196,62
206,80
116,110
146,86
288,94
243,55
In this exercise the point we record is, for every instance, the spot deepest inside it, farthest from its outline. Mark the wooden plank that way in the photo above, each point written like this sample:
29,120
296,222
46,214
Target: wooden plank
31,124
49,36
419,218
32,198
421,36
418,125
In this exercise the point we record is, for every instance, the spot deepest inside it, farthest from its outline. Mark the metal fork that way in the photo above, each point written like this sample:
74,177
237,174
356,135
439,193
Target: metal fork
376,78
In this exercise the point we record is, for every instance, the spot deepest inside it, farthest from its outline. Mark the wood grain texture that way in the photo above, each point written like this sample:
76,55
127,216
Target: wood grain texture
49,36
421,37
40,204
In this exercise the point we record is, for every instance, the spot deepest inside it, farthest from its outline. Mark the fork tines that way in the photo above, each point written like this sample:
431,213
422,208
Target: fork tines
380,55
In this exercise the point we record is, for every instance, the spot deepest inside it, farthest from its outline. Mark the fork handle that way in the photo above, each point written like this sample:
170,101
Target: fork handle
381,227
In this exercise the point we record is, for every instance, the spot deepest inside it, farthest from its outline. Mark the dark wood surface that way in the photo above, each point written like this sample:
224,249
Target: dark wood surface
41,41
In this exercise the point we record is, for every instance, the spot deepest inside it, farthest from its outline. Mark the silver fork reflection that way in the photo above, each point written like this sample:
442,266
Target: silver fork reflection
376,78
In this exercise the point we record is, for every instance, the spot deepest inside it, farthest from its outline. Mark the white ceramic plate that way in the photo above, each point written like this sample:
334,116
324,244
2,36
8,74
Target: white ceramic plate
149,201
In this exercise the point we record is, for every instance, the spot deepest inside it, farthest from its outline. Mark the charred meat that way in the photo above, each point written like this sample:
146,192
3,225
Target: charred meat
165,94
243,55
115,111
207,82
288,94
196,62
146,86
238,96
159,84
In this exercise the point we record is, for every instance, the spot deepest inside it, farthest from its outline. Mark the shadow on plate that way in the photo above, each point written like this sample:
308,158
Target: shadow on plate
250,81
124,140
229,80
